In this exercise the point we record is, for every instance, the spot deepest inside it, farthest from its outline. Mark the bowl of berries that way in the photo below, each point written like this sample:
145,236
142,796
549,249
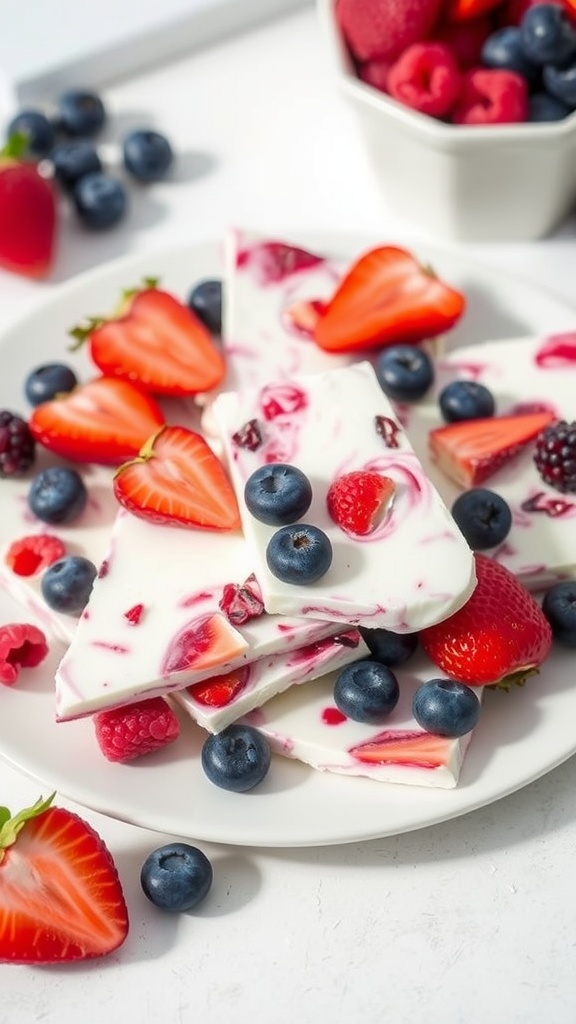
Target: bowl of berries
467,109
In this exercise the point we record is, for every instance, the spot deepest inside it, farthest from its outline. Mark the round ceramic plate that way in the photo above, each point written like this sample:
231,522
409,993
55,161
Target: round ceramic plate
521,736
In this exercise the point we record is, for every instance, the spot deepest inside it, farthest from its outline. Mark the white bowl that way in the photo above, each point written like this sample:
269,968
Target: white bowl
465,183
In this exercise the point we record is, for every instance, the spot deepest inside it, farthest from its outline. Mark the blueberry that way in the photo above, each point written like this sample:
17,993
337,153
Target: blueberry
543,107
445,707
483,516
205,300
57,495
147,155
38,130
559,607
561,83
546,34
176,877
100,200
391,649
72,160
278,494
404,372
81,113
300,553
66,584
238,758
366,691
465,400
503,50
44,382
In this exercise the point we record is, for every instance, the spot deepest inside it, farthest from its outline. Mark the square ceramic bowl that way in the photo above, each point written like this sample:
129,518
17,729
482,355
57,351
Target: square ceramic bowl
462,183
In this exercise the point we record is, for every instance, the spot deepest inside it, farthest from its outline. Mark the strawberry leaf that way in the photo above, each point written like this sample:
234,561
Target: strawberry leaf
10,827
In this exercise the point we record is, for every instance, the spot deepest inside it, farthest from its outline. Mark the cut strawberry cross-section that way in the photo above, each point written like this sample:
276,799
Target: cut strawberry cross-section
176,479
60,896
386,297
470,451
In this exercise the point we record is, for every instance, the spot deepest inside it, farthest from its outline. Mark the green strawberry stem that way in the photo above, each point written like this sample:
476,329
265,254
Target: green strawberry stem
16,147
11,826
516,678
82,331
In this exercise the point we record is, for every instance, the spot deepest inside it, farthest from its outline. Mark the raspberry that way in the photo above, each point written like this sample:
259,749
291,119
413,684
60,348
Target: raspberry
375,73
491,96
555,456
128,732
383,28
30,555
426,78
17,446
466,39
357,501
21,646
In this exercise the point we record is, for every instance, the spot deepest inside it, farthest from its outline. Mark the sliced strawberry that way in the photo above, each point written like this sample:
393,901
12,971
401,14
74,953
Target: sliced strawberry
105,421
303,316
470,451
60,896
205,643
463,10
158,342
408,747
177,479
219,691
358,501
28,215
387,296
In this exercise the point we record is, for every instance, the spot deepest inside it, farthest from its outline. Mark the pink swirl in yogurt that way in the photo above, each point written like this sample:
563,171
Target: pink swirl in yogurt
558,351
273,262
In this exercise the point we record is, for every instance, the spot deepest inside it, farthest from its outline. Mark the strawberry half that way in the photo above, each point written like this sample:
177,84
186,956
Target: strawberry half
387,296
60,896
499,636
105,421
470,451
28,214
176,479
358,501
156,341
219,691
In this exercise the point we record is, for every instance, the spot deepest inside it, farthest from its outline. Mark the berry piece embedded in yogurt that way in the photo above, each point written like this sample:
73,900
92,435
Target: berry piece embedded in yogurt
358,501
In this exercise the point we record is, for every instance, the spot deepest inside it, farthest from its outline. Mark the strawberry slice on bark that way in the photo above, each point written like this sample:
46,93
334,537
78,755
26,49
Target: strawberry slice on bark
105,421
177,480
470,451
386,297
60,896
358,501
157,341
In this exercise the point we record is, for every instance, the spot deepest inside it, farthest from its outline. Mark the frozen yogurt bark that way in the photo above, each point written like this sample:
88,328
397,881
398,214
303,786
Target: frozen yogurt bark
304,723
523,374
415,568
219,701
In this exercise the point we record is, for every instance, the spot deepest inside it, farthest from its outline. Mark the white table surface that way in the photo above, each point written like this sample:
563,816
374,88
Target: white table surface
469,922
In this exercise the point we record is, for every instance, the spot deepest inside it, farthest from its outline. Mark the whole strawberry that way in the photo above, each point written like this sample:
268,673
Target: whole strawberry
383,28
499,636
28,214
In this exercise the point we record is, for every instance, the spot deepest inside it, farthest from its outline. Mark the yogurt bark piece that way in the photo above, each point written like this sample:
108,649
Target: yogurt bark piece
304,723
523,374
221,700
415,568
153,623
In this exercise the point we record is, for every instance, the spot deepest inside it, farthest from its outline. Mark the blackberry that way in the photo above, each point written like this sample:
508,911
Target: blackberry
555,456
17,445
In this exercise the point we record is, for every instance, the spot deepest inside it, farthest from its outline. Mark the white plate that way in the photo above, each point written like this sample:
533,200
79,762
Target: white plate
521,736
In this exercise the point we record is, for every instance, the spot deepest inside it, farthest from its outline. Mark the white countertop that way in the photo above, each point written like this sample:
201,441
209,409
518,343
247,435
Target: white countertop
469,922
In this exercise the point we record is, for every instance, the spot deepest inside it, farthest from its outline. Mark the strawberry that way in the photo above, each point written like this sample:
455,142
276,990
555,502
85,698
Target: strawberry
499,636
21,646
218,691
383,28
177,479
60,896
105,421
386,297
28,214
463,10
470,451
358,501
156,341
